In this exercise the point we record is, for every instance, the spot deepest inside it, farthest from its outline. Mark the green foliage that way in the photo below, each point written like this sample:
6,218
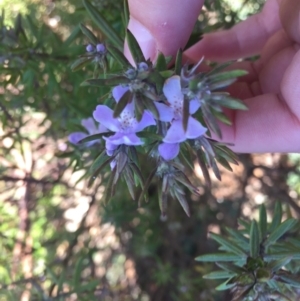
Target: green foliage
260,270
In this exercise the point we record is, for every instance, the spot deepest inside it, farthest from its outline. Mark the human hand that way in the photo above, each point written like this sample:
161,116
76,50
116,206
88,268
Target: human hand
271,90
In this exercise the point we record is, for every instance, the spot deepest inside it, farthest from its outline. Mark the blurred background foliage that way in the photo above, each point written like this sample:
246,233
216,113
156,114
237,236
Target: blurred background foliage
58,241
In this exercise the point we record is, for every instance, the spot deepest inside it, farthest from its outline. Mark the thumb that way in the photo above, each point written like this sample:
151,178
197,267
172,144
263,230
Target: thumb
162,26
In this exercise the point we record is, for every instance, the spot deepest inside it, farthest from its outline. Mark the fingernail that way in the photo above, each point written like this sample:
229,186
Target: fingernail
144,38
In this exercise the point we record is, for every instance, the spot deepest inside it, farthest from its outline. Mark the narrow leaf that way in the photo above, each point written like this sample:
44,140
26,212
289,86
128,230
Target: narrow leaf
118,56
161,63
185,113
103,25
263,222
93,39
225,286
276,218
184,204
229,245
80,63
225,75
134,48
118,80
278,264
214,257
280,231
219,275
202,164
178,62
254,240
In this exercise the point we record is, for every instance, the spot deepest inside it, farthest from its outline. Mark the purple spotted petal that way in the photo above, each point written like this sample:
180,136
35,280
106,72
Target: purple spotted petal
169,151
165,113
118,92
146,121
172,90
76,137
89,125
194,106
194,129
104,115
175,133
125,138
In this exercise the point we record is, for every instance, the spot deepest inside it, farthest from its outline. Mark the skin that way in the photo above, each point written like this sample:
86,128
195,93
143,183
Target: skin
271,90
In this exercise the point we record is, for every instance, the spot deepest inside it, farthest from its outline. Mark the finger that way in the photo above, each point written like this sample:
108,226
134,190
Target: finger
290,87
268,126
162,26
243,40
290,18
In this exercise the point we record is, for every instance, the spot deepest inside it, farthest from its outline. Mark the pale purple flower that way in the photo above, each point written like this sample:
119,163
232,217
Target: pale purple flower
91,128
176,133
125,126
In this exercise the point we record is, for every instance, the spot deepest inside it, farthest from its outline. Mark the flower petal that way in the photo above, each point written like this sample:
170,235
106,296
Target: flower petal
146,121
169,151
104,115
194,106
110,147
118,92
175,133
172,90
75,137
194,129
165,113
125,138
89,125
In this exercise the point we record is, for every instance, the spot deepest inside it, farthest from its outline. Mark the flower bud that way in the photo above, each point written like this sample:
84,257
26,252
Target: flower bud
100,48
89,48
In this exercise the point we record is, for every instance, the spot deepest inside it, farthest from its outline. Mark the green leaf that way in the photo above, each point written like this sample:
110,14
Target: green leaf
241,240
118,56
278,264
228,244
103,25
221,84
98,161
210,120
146,186
166,73
122,103
276,218
92,38
214,257
161,63
186,113
202,164
254,240
110,186
134,48
183,202
71,38
279,255
290,279
118,80
225,286
178,62
219,275
126,13
232,268
231,103
92,138
280,231
224,76
80,63
262,222
98,170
